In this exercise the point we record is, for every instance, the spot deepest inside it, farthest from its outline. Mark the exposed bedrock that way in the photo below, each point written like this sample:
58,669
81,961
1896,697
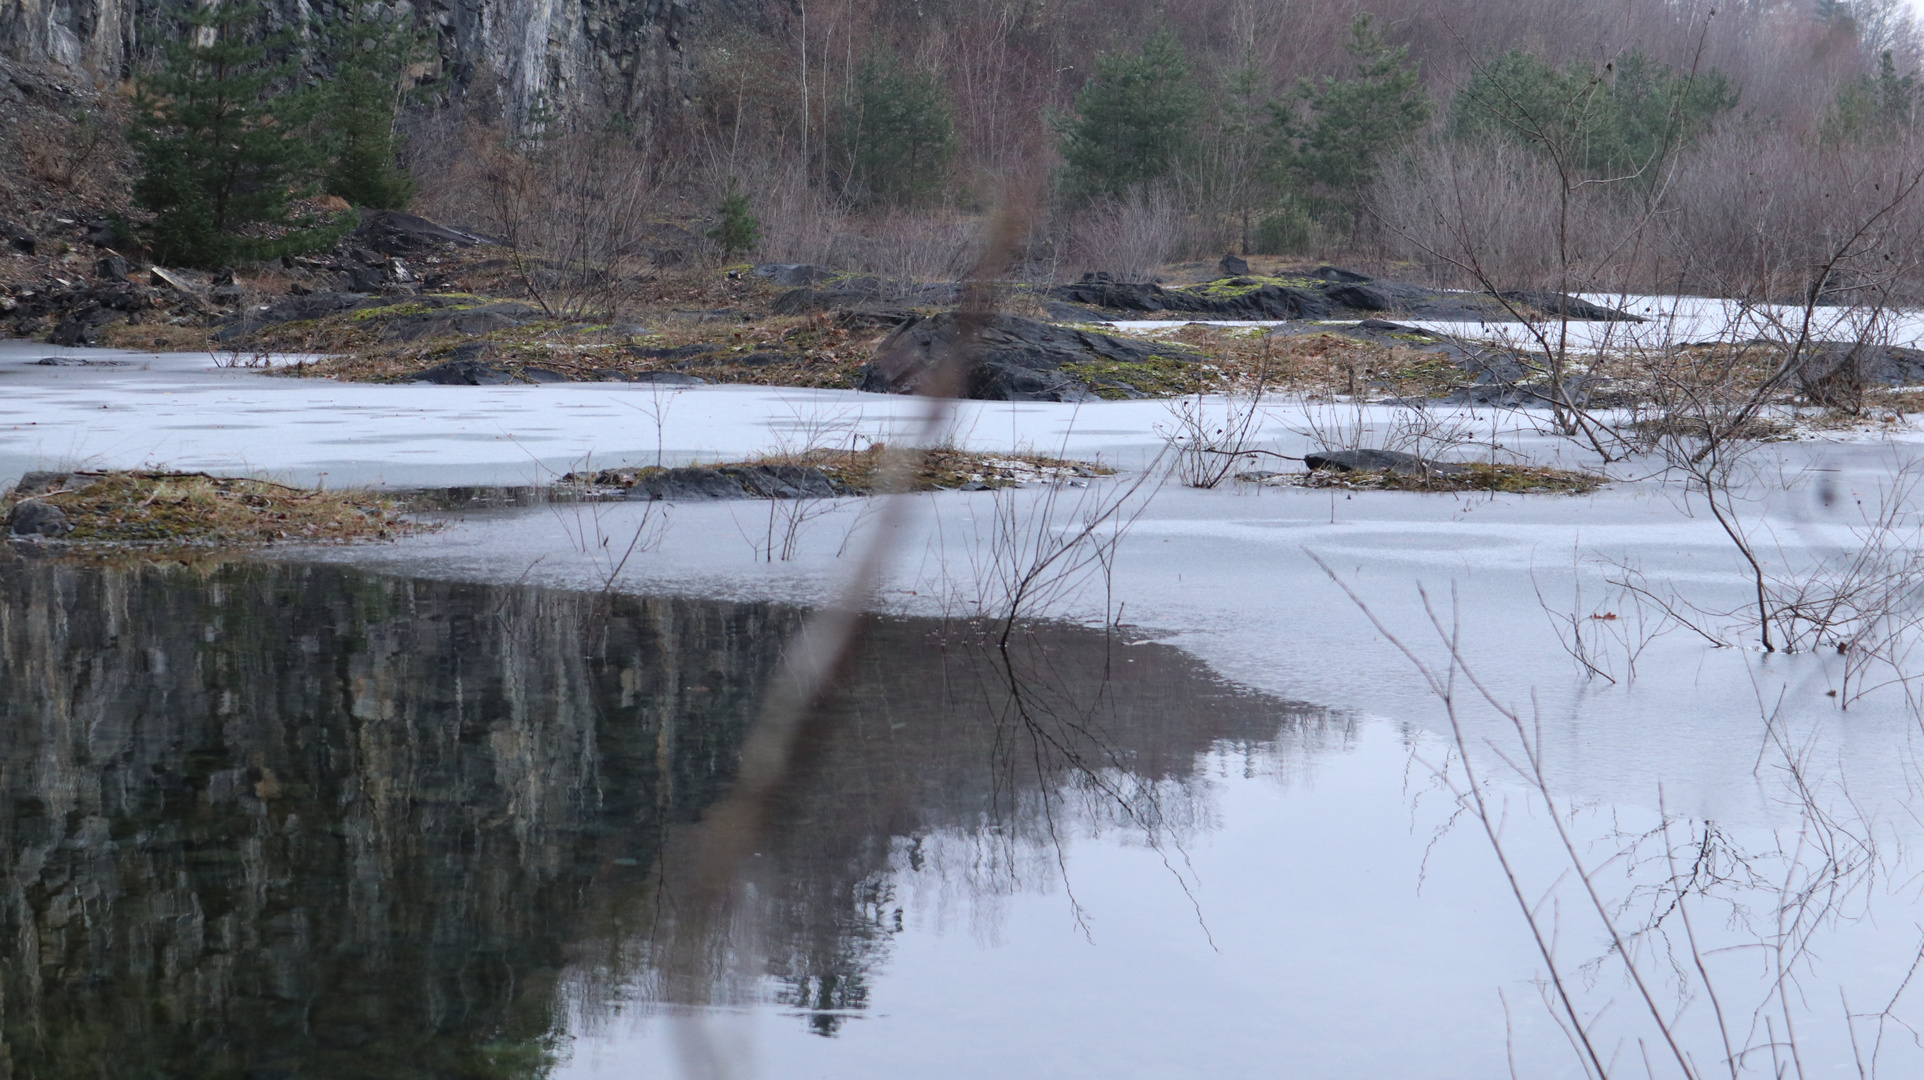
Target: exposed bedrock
1009,358
638,56
1328,293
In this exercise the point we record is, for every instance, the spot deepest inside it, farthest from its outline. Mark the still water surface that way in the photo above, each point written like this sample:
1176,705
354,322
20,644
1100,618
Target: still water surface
280,821
272,820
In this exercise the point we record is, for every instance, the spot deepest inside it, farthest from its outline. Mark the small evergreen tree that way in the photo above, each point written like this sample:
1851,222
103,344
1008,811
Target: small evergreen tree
1612,123
370,50
1237,146
736,231
900,132
1875,108
1134,119
220,139
1351,122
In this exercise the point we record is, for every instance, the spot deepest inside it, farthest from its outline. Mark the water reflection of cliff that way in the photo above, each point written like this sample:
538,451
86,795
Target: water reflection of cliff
279,821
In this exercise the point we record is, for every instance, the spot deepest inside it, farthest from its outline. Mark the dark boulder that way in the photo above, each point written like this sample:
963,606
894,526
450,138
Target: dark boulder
465,321
365,279
105,233
47,481
792,275
85,324
1335,293
1233,266
1379,461
465,372
1247,300
1357,297
37,518
112,268
1338,274
1835,374
1569,307
674,352
312,305
1009,358
392,232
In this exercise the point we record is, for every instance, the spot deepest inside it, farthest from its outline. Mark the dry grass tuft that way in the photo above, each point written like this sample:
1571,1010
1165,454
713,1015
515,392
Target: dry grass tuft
941,469
1316,364
803,350
170,509
1511,479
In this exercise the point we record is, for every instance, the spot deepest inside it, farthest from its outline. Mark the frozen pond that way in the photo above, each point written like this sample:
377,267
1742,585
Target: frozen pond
422,809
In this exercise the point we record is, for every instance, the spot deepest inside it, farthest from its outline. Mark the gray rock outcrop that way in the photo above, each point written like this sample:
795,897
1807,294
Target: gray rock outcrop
1010,358
1393,461
509,58
36,518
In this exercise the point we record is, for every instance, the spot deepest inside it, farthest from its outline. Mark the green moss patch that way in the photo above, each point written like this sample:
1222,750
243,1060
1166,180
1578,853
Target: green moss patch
1232,288
1158,376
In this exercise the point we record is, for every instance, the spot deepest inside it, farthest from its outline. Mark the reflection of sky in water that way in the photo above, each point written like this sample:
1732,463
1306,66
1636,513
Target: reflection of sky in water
370,820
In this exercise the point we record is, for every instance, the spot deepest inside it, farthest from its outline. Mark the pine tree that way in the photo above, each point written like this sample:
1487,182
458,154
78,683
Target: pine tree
223,146
1238,144
1612,122
736,231
1351,122
1134,119
900,133
1876,108
370,50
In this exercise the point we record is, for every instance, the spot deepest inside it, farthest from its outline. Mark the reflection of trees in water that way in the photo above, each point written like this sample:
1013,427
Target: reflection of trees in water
287,820
941,751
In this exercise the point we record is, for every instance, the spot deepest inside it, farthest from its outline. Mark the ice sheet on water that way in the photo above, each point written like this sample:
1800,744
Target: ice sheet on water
1223,573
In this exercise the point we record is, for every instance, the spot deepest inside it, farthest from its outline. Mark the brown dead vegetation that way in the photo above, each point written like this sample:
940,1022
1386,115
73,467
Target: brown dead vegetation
174,509
1473,477
857,471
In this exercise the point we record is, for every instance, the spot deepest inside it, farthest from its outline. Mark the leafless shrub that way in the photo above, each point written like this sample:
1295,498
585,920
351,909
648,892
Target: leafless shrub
1132,236
1606,639
1210,436
1040,553
1764,216
1777,901
587,529
1490,209
240,354
573,209
1410,428
1861,596
909,246
1867,604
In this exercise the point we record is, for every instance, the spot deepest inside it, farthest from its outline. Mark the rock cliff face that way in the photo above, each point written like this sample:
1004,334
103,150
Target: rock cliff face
278,821
637,56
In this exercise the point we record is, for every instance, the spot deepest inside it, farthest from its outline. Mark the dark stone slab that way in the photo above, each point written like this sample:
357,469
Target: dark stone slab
1010,358
697,483
1379,461
465,373
36,518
